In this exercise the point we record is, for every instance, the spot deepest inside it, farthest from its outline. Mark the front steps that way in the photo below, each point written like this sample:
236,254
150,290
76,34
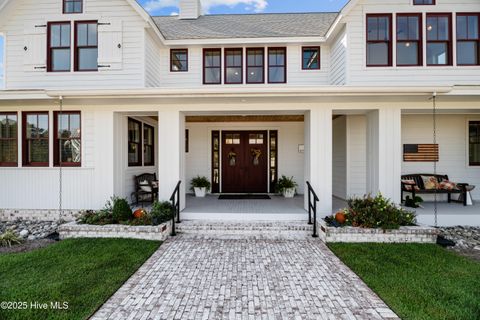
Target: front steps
274,230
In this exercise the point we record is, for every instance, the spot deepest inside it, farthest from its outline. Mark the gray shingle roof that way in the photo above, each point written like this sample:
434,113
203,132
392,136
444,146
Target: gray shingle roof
246,26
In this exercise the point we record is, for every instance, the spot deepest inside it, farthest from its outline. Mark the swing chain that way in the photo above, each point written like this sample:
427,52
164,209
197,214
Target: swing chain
435,205
60,169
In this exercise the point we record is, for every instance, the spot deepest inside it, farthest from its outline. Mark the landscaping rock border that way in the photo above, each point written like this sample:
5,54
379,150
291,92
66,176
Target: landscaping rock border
417,234
39,215
76,230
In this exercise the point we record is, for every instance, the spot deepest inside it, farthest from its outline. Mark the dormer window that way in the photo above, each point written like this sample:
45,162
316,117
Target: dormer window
72,6
423,2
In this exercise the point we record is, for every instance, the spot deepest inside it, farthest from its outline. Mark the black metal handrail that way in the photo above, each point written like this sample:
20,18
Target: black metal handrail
312,207
175,199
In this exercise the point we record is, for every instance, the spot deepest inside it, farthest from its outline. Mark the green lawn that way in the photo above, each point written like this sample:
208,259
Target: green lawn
82,272
417,281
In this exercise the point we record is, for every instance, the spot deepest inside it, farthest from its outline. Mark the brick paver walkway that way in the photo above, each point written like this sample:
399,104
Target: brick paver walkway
192,277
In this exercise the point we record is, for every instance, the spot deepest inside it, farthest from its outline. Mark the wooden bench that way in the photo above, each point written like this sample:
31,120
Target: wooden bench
421,188
145,188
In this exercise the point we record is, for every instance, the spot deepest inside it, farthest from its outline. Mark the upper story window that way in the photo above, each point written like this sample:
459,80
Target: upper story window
67,147
234,66
72,6
86,46
8,139
59,46
409,40
474,143
379,40
179,60
212,66
439,43
423,2
35,139
468,39
310,58
277,65
255,65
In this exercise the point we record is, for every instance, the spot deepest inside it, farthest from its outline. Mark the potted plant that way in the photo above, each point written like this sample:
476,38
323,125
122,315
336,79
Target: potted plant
200,185
286,186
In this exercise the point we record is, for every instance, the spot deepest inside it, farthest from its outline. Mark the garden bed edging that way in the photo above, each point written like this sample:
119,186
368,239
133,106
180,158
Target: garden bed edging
412,234
76,230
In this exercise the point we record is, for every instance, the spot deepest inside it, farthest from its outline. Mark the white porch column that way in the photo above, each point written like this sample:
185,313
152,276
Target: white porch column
318,156
105,141
171,154
384,152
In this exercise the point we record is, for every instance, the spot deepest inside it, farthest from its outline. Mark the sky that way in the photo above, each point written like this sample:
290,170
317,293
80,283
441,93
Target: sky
170,7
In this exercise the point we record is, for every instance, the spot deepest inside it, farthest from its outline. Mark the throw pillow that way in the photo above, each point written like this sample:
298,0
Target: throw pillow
409,185
145,186
447,185
430,182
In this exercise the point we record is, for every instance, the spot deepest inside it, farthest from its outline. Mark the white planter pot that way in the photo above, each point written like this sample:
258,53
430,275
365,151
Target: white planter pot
200,192
289,193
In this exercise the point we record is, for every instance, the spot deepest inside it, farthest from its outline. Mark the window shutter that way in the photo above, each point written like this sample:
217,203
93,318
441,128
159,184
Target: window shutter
110,45
35,47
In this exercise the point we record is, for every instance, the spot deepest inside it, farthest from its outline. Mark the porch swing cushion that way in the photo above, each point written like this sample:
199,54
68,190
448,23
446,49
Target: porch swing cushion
430,182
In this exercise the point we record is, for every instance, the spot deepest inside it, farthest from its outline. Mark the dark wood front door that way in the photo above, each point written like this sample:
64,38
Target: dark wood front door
244,162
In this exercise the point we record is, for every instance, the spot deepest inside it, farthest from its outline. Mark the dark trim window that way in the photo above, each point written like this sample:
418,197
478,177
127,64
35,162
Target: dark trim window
148,145
179,60
212,66
439,39
311,58
67,147
72,6
409,39
59,46
474,143
86,46
35,139
379,40
255,65
423,2
234,66
134,143
468,39
277,65
8,139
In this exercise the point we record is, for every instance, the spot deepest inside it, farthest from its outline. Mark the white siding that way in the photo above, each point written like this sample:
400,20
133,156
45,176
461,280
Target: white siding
339,174
338,72
295,74
359,74
152,61
452,140
38,12
290,135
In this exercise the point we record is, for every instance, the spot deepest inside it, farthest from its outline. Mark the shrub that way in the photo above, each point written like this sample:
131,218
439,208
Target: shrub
144,220
9,238
121,210
285,183
200,182
161,212
377,212
101,217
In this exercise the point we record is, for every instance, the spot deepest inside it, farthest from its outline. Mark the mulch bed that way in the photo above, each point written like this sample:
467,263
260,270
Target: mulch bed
27,246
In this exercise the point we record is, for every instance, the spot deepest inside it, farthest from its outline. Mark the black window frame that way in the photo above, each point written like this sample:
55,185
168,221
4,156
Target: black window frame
56,139
78,47
389,41
51,48
218,68
262,66
234,66
448,42
318,58
64,9
182,51
418,41
139,144
477,123
475,40
422,3
272,66
145,144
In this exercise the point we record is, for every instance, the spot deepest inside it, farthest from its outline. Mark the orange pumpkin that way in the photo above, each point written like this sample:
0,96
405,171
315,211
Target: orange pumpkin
340,217
139,213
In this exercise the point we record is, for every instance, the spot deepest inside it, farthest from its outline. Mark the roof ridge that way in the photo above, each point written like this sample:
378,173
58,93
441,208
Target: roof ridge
251,14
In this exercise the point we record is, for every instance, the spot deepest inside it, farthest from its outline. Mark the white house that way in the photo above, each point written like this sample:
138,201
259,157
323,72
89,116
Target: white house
343,100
